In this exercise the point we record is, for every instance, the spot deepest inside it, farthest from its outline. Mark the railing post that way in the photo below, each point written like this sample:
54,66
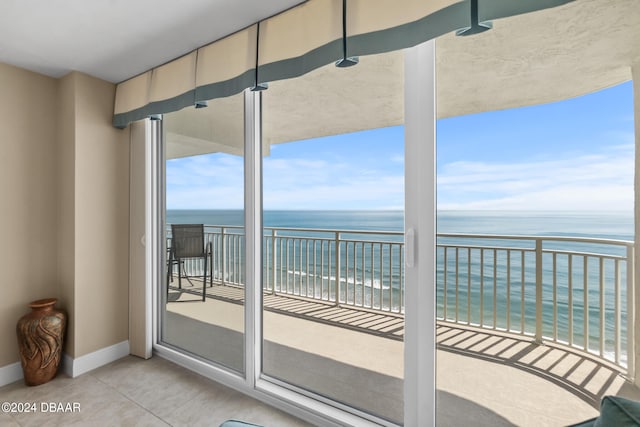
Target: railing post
274,235
337,266
631,314
538,336
224,255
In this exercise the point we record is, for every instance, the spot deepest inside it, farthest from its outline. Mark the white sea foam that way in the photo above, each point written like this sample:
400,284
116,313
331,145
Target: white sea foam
349,280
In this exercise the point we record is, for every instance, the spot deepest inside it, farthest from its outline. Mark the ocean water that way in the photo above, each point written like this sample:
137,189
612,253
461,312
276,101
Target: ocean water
612,225
492,287
328,220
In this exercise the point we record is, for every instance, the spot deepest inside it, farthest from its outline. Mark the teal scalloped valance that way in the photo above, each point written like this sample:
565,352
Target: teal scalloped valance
297,41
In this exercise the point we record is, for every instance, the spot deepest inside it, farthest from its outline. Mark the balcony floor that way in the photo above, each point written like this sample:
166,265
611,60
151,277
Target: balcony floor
478,370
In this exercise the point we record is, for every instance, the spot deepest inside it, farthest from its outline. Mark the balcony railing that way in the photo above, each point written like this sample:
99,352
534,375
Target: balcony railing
355,268
569,290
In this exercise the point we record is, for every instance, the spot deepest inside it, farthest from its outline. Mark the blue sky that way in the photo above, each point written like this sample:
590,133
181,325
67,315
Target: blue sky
572,155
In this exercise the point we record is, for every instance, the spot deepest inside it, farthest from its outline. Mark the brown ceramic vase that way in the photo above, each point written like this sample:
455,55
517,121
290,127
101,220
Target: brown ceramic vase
40,337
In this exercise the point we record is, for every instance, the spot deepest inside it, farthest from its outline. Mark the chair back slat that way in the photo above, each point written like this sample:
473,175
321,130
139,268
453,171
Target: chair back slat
187,240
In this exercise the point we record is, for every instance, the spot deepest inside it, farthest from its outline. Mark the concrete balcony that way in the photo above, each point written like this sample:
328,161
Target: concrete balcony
484,377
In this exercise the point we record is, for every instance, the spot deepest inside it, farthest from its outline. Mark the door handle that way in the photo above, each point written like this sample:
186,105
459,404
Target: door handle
409,247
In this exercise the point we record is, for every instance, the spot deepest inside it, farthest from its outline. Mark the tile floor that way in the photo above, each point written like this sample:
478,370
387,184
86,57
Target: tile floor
135,392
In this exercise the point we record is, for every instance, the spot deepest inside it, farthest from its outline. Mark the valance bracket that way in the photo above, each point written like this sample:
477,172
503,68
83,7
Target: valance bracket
346,61
476,27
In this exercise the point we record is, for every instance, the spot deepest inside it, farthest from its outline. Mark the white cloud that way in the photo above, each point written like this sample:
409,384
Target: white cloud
573,182
320,184
208,182
398,159
587,182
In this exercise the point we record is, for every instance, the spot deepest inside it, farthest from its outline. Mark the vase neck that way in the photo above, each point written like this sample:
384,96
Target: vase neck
43,304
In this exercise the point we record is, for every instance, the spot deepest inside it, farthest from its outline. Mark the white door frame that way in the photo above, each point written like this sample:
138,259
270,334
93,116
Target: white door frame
420,235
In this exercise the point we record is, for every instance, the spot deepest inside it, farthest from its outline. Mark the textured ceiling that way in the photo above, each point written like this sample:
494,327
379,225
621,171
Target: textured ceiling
530,59
540,57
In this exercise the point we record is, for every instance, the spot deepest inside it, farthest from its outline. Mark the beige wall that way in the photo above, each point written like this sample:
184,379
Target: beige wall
66,196
28,198
64,186
101,219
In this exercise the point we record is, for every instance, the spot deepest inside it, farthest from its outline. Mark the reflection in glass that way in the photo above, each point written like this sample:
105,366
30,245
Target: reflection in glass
204,187
333,279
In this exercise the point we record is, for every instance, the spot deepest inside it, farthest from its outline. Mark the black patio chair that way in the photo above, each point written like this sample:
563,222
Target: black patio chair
187,242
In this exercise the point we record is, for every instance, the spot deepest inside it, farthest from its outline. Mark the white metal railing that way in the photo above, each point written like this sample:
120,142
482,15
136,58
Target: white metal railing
355,268
227,261
568,290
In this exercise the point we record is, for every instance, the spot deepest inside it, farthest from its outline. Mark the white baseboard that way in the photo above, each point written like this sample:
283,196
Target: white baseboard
10,374
80,365
70,366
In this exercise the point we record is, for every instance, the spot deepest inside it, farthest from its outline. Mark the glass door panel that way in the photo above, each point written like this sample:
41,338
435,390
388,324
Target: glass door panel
333,256
535,214
204,160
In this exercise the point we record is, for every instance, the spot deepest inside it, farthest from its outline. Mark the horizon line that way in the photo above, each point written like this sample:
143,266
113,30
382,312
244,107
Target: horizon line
402,210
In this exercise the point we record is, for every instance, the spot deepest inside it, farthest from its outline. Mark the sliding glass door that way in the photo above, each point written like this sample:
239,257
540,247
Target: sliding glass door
312,291
203,312
333,258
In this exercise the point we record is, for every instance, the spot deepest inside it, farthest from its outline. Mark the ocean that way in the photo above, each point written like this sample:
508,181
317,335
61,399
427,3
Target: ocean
488,282
612,225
